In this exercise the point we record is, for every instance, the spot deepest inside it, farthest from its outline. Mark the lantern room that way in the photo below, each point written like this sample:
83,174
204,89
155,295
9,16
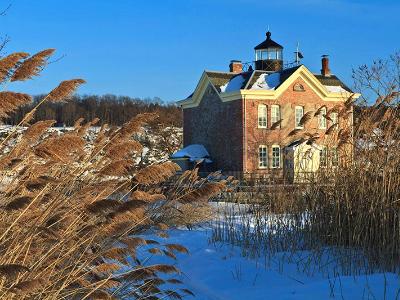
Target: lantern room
269,55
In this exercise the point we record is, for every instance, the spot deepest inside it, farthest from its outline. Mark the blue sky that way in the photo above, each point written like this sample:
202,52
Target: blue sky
161,47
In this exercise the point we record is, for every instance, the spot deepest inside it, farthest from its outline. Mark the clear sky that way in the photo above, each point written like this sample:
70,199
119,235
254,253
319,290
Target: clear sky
161,47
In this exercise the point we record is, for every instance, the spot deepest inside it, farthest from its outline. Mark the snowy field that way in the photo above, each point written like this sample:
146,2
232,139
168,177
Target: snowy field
215,271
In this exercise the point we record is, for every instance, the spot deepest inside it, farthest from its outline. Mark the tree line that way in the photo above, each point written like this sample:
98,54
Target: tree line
110,109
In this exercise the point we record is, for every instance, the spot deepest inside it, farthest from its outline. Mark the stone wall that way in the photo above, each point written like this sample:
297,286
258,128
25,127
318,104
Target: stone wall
218,126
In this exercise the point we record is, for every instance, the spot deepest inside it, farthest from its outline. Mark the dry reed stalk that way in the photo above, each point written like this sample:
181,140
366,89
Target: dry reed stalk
305,118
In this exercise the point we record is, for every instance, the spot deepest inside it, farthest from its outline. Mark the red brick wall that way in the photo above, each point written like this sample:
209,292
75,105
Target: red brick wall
218,126
260,136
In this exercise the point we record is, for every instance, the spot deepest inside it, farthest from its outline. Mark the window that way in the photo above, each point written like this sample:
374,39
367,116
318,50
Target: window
334,118
262,156
335,157
264,55
272,54
262,116
322,119
275,114
323,156
299,111
276,157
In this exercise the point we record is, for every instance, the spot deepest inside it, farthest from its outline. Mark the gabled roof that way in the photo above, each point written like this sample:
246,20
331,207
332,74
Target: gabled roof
332,80
265,85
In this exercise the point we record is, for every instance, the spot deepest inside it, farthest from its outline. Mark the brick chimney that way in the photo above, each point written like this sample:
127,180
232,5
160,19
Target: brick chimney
325,71
236,66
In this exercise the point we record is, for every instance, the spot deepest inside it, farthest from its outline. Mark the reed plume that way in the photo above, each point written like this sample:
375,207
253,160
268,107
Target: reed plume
8,63
64,90
10,101
305,118
276,125
32,66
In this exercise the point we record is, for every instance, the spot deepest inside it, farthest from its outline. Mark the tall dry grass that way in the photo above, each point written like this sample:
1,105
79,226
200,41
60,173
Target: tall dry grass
73,212
346,217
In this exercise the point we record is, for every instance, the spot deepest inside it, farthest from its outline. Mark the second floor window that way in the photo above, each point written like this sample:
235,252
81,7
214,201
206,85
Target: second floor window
262,156
262,116
299,112
322,118
334,118
276,157
275,114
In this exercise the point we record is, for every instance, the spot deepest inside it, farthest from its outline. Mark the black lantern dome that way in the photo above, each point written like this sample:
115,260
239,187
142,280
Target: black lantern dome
269,55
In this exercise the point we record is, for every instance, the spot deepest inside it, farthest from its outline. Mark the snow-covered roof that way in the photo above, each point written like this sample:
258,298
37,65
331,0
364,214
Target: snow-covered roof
335,89
194,153
266,82
234,84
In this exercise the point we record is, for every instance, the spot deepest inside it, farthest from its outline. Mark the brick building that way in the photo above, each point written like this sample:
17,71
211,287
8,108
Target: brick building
273,120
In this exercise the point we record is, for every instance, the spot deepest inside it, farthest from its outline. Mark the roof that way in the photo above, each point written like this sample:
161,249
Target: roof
219,79
268,43
332,80
231,85
194,152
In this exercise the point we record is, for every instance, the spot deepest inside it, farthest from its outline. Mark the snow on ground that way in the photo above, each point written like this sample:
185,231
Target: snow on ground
216,271
219,272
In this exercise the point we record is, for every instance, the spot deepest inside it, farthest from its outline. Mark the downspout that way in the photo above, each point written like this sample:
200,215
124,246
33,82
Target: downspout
244,135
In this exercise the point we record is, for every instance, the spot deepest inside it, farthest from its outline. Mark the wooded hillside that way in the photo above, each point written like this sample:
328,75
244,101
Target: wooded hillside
110,109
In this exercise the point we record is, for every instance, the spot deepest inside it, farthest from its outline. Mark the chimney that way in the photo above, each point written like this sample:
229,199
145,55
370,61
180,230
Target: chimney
236,66
325,71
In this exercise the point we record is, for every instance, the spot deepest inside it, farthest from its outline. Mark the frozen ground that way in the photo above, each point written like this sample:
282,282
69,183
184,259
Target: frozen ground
216,272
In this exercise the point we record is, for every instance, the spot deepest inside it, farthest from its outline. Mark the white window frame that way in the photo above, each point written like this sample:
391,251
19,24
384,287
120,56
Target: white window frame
275,113
263,157
323,151
264,116
322,119
273,158
296,119
335,120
